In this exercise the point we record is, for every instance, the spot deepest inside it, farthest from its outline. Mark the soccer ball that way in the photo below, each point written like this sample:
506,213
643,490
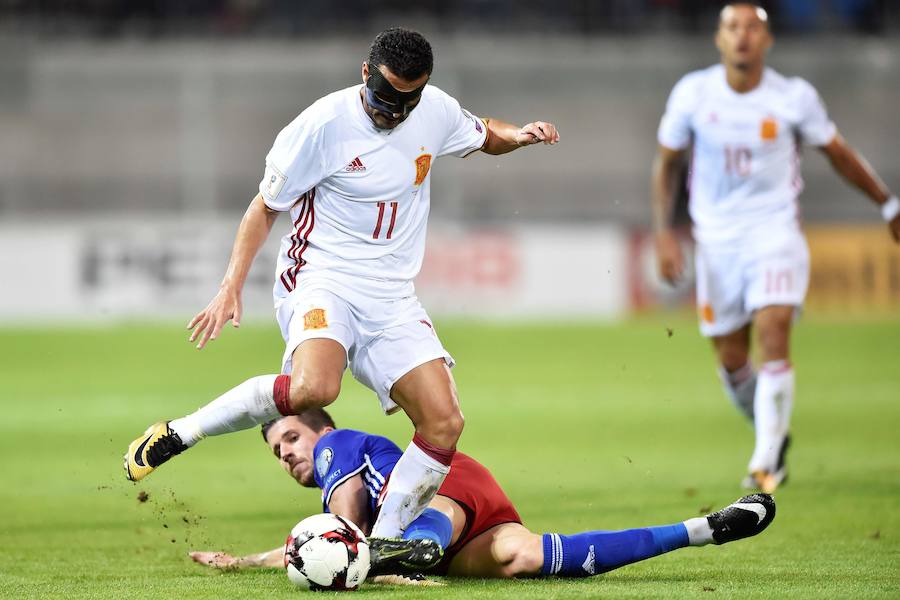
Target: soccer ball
326,552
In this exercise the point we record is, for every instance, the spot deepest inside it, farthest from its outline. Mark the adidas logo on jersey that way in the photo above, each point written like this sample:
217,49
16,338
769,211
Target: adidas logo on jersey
355,166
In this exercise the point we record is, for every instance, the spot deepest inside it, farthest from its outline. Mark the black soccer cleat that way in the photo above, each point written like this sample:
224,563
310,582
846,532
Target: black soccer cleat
746,517
392,556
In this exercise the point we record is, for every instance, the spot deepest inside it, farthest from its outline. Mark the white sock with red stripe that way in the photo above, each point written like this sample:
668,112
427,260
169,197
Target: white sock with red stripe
257,400
413,483
772,407
740,386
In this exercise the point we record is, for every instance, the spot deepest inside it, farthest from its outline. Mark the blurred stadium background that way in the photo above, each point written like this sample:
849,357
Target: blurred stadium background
134,134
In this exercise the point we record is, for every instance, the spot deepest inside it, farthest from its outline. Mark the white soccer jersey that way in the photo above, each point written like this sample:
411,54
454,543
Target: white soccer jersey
359,196
745,171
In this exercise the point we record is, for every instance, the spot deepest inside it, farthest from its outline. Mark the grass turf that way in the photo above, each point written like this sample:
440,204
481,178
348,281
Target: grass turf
586,426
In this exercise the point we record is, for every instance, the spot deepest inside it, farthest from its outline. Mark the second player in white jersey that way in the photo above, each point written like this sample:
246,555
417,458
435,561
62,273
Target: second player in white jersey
358,195
745,124
745,169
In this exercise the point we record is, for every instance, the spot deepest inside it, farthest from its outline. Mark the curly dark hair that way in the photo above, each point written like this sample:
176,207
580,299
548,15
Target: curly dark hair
405,52
316,419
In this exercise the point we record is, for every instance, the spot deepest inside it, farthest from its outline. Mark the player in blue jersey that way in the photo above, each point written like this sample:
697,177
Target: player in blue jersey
470,517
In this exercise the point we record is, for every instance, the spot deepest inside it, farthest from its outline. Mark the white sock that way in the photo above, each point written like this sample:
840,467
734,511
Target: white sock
699,531
740,386
251,403
413,483
772,407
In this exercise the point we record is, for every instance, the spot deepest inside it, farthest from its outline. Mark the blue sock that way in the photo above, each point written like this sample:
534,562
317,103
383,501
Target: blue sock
431,525
592,552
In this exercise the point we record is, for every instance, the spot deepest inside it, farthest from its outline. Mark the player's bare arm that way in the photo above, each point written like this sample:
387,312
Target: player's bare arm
273,558
854,168
350,500
505,137
226,305
664,183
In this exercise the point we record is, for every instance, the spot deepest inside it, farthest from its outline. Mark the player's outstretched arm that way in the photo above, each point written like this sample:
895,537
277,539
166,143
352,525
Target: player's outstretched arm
350,500
227,562
226,305
855,169
505,137
663,185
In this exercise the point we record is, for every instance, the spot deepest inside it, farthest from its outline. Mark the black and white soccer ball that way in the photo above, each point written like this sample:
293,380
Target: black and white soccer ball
326,552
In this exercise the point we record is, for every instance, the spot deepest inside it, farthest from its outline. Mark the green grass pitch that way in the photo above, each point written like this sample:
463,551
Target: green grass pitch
587,426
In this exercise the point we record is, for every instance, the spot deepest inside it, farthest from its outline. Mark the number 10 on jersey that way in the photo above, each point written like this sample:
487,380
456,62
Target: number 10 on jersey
380,221
738,160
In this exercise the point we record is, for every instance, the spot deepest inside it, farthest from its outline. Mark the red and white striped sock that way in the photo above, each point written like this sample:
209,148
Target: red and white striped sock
413,483
257,400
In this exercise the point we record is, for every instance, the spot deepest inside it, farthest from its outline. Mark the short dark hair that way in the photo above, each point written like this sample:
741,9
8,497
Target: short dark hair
316,419
405,52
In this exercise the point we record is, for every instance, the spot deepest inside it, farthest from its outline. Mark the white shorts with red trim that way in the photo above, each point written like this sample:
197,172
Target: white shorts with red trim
384,339
735,280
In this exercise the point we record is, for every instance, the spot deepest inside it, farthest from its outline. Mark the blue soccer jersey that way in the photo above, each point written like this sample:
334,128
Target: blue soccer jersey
344,453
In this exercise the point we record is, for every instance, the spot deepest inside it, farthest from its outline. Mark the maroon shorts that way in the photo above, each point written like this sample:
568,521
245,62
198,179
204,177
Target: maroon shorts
473,487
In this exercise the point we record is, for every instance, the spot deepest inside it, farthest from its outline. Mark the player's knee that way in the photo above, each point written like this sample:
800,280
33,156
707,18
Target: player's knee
312,392
454,425
774,340
732,353
444,429
519,556
733,358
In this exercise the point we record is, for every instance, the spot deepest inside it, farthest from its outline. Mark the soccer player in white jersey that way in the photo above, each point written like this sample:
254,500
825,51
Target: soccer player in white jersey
353,171
744,124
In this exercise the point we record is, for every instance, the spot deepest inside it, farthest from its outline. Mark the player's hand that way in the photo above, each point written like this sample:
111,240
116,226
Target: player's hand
669,256
894,226
216,560
539,131
208,323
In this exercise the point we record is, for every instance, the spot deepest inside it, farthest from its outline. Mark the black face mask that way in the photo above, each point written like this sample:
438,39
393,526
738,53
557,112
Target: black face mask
384,97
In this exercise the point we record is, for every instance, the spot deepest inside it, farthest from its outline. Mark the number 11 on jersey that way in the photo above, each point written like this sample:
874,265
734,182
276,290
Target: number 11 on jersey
381,207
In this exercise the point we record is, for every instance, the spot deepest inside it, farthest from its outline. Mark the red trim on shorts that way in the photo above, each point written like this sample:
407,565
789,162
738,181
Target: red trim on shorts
282,394
442,455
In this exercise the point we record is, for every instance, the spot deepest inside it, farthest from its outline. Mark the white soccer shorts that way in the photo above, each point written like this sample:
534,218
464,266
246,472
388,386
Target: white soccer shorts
734,280
395,337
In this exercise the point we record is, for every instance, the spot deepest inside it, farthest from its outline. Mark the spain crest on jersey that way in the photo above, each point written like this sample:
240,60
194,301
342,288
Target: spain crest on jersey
423,163
768,129
315,319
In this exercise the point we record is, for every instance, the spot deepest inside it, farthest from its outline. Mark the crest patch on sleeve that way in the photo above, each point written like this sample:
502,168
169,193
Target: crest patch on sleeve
323,461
